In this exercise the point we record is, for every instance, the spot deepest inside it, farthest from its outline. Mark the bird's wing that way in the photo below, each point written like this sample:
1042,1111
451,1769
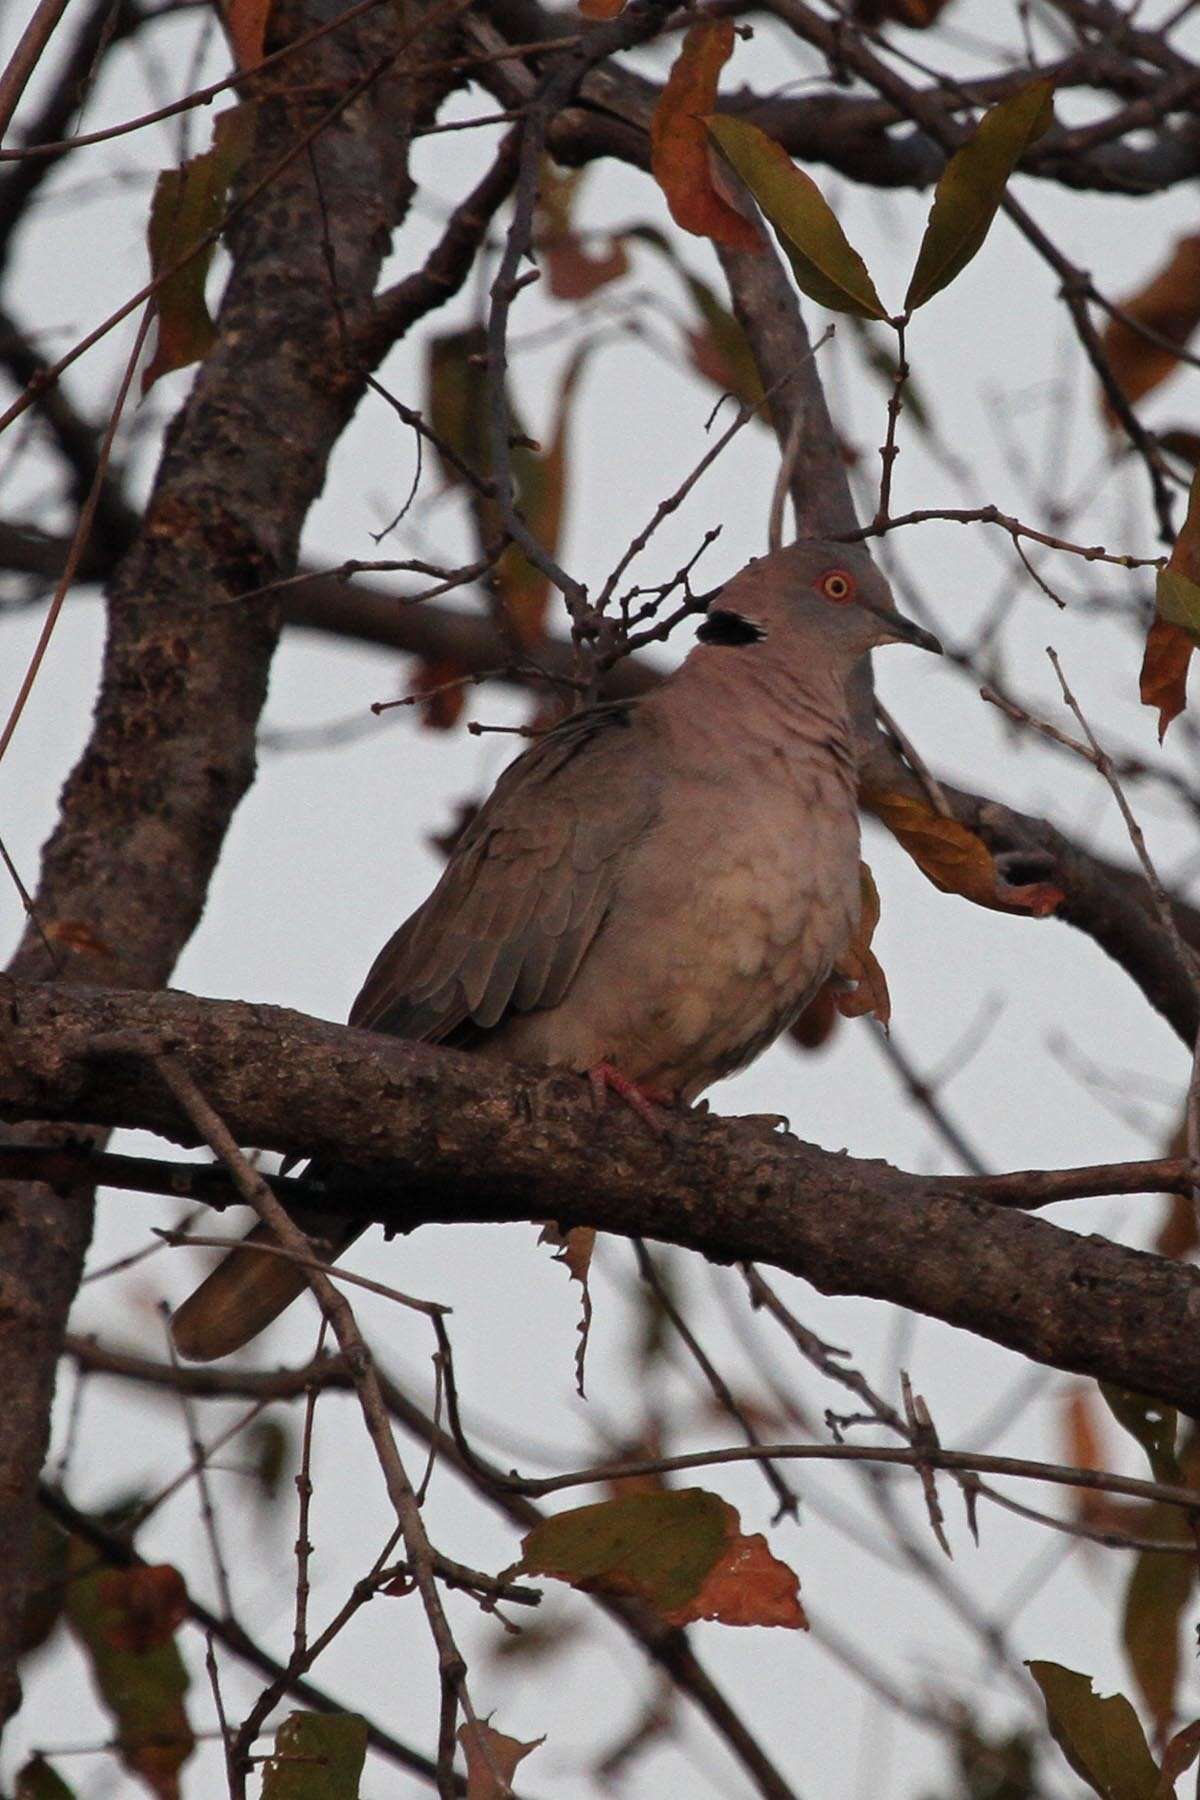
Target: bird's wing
527,887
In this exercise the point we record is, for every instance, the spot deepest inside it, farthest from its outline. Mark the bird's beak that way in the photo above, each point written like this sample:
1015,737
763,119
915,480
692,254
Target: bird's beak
907,631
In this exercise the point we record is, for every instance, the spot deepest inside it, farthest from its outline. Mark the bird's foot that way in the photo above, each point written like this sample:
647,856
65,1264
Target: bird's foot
644,1101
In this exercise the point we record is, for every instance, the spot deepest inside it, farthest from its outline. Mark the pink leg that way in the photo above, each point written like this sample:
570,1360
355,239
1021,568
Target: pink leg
644,1101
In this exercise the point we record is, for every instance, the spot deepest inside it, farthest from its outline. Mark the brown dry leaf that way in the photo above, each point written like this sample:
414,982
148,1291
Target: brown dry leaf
1083,1449
1163,680
919,14
1175,629
858,963
683,1552
679,152
818,1021
572,271
1169,305
148,1603
575,1253
954,859
439,684
492,1759
245,23
1176,1236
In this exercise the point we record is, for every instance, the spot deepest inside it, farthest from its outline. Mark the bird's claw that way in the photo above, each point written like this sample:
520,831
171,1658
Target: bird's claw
645,1102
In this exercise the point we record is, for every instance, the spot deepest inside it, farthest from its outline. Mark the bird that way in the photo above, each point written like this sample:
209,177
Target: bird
653,891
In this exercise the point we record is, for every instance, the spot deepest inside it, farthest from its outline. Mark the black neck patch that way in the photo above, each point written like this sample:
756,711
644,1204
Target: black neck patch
729,630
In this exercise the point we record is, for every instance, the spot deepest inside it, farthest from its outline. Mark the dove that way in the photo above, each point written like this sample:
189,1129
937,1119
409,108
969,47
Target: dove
653,891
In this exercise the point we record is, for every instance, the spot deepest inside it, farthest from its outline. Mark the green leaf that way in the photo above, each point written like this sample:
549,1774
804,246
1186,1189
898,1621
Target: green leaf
1177,599
683,1552
972,185
660,1546
1100,1737
124,1619
1150,1422
318,1756
188,205
825,264
38,1781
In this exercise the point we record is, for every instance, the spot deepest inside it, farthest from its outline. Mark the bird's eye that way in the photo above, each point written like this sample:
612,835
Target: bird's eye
837,586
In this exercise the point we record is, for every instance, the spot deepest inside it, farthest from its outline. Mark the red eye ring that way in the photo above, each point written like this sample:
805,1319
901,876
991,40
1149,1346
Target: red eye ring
837,586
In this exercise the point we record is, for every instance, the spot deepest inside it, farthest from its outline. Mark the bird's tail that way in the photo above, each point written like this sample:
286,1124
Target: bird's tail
249,1288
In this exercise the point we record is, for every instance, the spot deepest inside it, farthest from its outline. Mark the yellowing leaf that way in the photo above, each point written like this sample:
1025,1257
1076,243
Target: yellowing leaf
972,185
122,1618
188,204
1101,1738
682,1552
953,858
825,264
1175,629
492,1759
318,1756
1169,306
858,964
679,153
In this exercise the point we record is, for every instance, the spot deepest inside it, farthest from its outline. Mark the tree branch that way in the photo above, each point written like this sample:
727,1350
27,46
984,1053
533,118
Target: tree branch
509,1146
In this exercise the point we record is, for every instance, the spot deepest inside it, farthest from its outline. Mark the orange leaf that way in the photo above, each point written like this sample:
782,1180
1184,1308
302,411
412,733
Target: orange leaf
954,859
1169,305
492,1759
245,23
601,9
748,1586
679,153
1082,1448
1164,671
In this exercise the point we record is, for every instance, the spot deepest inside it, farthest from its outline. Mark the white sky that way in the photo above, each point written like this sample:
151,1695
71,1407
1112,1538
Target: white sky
331,850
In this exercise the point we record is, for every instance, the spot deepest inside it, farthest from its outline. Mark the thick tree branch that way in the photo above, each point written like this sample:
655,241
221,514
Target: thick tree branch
144,814
472,1142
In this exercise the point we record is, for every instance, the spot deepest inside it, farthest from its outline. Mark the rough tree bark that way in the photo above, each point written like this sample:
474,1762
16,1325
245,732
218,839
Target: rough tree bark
171,753
469,1141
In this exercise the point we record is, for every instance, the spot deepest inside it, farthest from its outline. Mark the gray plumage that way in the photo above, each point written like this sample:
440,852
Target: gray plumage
660,885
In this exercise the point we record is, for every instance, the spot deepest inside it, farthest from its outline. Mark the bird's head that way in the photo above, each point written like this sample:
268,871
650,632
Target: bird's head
824,597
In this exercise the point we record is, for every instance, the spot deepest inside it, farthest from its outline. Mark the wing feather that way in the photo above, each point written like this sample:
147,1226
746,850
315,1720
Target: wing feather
528,886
